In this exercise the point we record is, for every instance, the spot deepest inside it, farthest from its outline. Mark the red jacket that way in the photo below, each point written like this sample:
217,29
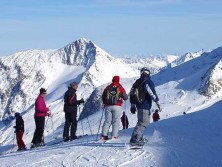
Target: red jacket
156,116
40,107
121,90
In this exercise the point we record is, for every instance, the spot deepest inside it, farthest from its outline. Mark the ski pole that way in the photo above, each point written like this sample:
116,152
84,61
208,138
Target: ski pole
53,131
81,121
43,137
13,142
89,123
100,124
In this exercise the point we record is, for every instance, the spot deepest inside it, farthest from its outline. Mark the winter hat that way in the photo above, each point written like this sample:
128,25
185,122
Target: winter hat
42,90
145,70
116,78
17,114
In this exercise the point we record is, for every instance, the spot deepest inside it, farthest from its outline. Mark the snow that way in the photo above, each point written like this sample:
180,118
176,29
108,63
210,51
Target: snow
191,139
187,140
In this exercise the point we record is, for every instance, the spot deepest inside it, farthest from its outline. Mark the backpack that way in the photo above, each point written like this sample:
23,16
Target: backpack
112,95
137,93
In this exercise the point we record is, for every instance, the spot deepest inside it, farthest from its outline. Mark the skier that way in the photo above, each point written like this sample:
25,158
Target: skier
19,130
70,109
124,121
143,108
156,116
41,111
113,96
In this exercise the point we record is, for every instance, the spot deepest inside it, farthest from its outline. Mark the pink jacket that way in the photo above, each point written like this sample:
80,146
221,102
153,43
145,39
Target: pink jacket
40,107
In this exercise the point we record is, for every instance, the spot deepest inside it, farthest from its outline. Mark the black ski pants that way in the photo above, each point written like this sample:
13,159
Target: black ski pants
70,121
38,135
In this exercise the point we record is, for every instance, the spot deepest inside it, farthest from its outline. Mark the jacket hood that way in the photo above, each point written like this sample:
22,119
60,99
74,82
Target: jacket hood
116,79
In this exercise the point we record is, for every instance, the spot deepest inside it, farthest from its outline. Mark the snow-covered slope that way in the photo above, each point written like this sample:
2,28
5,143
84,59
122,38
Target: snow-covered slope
187,140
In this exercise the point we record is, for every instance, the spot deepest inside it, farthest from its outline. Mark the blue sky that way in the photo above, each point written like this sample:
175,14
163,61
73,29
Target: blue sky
120,27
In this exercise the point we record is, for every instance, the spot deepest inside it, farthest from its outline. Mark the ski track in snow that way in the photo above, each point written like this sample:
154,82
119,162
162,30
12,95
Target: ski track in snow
167,97
110,153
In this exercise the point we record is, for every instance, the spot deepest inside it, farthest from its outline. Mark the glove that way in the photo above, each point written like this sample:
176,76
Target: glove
49,114
133,109
81,101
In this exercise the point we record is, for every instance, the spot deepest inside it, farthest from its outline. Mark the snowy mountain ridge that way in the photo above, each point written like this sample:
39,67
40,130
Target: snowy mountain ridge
23,73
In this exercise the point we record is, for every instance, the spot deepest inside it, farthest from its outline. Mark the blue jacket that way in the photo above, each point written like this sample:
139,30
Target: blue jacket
149,88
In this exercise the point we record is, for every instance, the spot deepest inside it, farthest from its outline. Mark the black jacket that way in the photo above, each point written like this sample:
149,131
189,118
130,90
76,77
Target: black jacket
70,100
19,124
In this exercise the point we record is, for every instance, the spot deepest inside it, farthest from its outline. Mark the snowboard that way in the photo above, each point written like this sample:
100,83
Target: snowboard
136,147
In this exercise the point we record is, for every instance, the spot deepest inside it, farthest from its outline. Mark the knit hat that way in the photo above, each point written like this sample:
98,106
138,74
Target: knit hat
116,78
42,90
17,114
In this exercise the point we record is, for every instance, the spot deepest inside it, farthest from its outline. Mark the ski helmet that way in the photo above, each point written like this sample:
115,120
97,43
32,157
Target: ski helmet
145,70
17,114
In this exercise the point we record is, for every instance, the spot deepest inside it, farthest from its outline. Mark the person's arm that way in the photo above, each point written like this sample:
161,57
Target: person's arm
124,96
150,87
104,94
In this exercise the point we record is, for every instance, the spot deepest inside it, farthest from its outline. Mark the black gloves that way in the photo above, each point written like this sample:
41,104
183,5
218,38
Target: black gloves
133,109
81,101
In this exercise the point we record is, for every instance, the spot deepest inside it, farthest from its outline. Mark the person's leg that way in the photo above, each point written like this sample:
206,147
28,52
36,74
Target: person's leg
74,125
116,114
40,131
143,121
67,125
107,122
20,142
34,139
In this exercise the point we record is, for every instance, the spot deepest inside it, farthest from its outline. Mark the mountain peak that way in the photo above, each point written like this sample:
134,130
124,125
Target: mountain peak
80,52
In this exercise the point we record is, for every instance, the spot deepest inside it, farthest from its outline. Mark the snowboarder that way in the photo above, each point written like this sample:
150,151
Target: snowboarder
70,109
113,96
143,108
156,116
124,121
41,111
19,130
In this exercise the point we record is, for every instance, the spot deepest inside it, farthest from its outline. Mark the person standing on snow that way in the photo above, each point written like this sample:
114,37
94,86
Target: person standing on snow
19,130
124,121
70,109
156,116
143,108
113,96
41,111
